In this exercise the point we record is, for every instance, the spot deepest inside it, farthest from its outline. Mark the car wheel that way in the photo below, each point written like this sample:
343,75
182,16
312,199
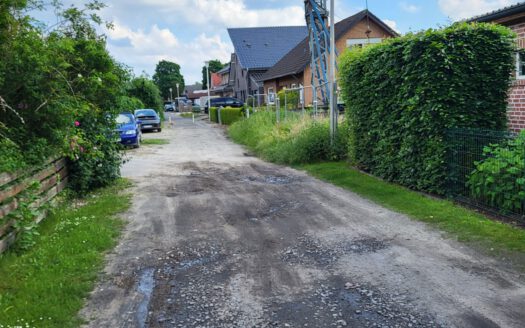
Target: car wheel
159,130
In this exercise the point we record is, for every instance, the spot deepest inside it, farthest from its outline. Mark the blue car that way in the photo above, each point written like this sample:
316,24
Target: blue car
129,130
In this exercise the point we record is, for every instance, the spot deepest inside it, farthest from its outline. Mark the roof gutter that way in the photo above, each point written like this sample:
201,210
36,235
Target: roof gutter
518,9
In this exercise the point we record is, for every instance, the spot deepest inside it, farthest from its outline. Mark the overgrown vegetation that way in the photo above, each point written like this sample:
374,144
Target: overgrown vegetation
59,93
294,140
499,179
155,142
403,94
463,224
46,286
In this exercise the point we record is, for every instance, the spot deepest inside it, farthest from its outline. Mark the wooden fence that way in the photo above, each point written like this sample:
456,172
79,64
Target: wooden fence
52,179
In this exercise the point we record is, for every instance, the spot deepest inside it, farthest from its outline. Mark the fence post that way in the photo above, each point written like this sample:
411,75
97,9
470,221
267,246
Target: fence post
301,99
285,105
219,115
277,109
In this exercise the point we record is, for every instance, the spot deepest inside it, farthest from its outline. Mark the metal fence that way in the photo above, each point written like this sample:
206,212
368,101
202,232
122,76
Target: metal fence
485,169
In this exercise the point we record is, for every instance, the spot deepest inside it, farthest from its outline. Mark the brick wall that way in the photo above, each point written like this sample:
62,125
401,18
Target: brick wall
516,111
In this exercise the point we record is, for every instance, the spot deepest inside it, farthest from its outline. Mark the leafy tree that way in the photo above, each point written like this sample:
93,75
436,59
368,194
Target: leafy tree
147,92
214,66
167,75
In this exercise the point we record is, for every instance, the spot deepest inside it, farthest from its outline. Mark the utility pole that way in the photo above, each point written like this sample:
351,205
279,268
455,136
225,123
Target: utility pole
208,84
333,83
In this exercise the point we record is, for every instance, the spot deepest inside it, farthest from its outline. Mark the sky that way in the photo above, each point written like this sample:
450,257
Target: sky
189,32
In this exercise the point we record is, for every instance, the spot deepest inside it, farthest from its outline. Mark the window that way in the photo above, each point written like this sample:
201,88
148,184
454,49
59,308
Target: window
271,96
294,85
350,43
520,65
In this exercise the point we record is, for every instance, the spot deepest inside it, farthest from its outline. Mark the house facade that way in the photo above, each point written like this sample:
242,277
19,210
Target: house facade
256,51
222,86
514,18
293,70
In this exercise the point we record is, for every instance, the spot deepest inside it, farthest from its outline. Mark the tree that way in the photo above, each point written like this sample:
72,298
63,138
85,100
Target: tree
147,92
214,67
167,75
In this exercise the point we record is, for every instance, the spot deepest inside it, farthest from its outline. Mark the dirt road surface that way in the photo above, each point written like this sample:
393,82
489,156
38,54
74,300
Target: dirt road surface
216,238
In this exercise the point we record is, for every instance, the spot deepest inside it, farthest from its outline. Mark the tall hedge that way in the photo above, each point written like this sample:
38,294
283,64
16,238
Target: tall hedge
403,94
229,115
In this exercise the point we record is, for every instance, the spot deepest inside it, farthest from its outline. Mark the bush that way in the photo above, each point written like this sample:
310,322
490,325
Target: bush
213,115
292,98
231,115
403,94
500,178
293,141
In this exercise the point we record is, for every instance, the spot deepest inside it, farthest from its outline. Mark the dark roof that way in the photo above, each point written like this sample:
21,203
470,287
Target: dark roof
193,87
500,13
263,47
225,69
299,57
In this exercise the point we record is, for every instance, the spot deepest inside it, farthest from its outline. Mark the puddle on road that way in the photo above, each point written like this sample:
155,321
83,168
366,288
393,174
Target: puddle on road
269,179
145,287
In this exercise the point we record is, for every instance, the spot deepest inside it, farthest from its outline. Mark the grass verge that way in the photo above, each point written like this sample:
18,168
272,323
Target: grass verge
46,286
186,115
148,142
466,225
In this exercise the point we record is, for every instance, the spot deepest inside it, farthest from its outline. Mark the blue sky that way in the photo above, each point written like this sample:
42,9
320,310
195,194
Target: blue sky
191,31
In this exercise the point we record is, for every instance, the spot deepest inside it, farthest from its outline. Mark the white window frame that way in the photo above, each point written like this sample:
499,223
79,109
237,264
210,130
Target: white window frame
518,75
362,42
271,96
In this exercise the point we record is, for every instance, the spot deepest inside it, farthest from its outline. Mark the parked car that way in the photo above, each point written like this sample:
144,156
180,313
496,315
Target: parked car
149,120
129,130
224,102
169,106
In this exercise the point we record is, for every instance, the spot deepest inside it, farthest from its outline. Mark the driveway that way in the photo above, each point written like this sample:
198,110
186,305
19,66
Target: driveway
217,238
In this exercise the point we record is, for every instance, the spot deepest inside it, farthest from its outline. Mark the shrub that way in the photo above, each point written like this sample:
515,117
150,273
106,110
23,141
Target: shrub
231,115
213,115
292,98
500,178
403,94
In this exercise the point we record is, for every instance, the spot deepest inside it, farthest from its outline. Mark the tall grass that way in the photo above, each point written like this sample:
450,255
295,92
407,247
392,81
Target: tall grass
294,140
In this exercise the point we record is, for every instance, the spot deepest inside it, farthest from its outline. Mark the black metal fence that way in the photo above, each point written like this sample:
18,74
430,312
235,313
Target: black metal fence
486,170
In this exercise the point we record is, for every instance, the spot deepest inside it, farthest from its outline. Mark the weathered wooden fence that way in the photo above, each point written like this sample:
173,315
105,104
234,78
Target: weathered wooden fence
52,179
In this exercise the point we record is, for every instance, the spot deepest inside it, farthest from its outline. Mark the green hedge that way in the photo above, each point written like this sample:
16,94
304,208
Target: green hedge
403,94
213,115
231,115
228,115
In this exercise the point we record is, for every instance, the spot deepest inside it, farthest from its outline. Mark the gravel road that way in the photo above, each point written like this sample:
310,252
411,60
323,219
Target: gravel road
217,238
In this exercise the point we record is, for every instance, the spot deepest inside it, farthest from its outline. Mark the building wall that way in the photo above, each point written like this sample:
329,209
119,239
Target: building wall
516,108
357,32
281,83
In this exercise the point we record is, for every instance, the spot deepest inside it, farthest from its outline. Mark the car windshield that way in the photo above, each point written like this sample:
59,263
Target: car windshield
146,112
124,119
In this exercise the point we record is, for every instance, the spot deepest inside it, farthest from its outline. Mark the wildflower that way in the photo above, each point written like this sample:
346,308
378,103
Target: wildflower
77,123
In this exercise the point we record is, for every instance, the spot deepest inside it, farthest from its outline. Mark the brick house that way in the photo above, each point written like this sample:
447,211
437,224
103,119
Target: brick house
514,18
223,87
293,70
257,49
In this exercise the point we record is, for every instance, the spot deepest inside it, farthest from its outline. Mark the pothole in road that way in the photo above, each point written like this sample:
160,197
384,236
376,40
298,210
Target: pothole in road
145,288
338,304
312,251
270,179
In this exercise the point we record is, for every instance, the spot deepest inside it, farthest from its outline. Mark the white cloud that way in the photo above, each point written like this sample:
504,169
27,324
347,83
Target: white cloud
408,7
462,9
230,13
392,24
145,48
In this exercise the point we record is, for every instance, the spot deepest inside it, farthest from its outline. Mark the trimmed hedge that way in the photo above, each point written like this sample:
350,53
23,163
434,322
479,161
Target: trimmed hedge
403,94
229,115
213,115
